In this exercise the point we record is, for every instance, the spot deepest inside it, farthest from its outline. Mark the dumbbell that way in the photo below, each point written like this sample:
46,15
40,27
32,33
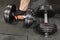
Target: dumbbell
46,28
40,12
9,15
29,18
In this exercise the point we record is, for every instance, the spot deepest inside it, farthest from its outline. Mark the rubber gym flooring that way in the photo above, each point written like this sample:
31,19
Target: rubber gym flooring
17,32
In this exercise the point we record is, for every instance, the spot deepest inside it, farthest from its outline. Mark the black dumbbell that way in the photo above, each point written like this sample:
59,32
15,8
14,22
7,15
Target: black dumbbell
45,28
11,12
29,18
40,11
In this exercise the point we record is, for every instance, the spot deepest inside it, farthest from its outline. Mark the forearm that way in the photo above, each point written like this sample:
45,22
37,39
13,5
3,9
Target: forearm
24,5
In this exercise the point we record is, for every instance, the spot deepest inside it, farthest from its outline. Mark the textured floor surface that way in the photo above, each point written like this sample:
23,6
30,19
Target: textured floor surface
17,32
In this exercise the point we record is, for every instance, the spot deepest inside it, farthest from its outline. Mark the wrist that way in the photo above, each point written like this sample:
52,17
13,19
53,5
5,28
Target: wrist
19,12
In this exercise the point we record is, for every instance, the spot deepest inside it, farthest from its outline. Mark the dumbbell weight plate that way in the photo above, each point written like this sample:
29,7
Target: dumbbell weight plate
41,10
28,21
47,28
8,13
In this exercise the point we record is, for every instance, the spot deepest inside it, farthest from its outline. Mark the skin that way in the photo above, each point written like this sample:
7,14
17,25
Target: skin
23,7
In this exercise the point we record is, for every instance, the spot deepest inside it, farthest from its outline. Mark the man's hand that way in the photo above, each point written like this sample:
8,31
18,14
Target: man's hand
20,17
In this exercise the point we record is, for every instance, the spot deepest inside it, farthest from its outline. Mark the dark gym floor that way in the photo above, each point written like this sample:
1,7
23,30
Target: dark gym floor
17,32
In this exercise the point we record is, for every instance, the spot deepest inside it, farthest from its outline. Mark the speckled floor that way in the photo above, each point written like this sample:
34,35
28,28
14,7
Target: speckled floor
17,32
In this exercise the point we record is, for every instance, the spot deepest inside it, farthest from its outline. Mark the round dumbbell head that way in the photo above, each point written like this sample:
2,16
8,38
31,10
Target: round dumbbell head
28,21
41,10
46,28
9,13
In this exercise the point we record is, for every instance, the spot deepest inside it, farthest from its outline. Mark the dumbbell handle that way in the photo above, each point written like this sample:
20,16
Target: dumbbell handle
28,16
24,16
45,18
